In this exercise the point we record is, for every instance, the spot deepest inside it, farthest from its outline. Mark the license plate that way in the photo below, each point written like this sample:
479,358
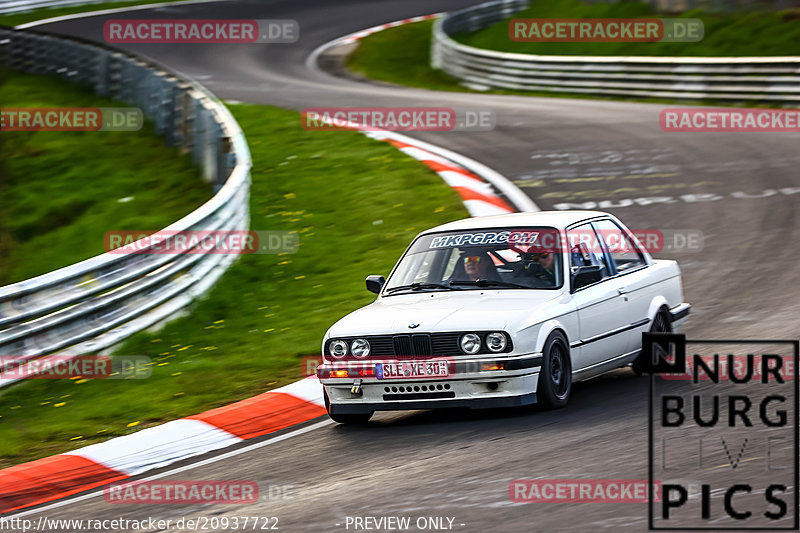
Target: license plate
413,369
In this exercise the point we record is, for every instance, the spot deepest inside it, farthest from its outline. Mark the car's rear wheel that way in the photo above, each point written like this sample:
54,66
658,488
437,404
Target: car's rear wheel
555,378
352,419
661,324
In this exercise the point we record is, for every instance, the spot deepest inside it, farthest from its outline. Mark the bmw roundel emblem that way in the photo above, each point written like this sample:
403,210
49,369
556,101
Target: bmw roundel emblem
413,325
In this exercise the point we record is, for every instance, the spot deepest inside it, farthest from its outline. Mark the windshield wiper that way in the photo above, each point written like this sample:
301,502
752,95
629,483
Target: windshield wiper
489,283
419,287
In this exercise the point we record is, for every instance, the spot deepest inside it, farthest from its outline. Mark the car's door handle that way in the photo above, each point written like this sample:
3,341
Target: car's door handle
622,291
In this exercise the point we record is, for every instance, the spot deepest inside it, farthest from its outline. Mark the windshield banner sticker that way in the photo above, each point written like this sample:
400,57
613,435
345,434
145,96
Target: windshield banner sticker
475,239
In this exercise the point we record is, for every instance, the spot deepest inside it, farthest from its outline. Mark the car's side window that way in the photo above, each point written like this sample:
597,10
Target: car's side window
585,250
623,250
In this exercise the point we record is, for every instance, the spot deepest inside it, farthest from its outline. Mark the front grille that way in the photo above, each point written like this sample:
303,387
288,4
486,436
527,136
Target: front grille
446,343
417,344
422,344
402,345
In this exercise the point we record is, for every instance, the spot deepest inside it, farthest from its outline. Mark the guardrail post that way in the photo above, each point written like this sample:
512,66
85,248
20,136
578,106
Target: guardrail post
199,133
186,110
102,74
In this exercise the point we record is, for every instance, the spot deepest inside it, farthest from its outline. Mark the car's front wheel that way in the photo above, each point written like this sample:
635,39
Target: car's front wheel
352,419
555,378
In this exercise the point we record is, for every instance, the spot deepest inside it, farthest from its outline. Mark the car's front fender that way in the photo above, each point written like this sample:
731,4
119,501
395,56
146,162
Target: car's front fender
567,324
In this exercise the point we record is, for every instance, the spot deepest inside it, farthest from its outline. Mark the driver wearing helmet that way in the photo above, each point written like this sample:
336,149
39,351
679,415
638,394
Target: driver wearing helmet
540,265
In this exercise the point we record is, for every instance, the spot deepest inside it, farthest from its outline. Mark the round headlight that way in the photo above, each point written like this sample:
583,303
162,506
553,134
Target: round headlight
496,342
471,344
360,348
338,349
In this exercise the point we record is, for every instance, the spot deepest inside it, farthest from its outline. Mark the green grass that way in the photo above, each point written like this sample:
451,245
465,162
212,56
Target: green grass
355,203
60,191
735,34
38,14
401,55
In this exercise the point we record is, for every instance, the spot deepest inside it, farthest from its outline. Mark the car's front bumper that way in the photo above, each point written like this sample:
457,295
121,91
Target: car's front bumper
469,385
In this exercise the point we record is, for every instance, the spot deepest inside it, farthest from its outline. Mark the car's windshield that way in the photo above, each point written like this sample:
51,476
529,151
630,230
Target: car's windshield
502,258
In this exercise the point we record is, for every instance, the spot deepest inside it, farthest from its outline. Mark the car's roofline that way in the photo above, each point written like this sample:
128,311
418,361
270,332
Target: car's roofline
555,219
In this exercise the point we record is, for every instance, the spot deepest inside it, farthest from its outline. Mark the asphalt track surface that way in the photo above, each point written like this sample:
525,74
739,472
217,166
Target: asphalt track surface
740,191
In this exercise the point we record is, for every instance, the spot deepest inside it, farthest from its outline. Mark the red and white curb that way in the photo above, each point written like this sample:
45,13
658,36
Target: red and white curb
481,190
375,29
62,475
477,194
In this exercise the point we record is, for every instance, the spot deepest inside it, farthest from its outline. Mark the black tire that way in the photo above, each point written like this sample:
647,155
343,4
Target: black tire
661,324
351,419
555,378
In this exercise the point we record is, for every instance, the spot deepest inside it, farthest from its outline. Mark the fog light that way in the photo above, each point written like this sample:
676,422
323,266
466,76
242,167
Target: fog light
488,367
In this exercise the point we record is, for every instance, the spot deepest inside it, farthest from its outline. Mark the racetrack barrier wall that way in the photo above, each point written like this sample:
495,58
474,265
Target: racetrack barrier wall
772,80
94,304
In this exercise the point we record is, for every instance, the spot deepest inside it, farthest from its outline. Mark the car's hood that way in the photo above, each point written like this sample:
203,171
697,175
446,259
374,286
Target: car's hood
467,310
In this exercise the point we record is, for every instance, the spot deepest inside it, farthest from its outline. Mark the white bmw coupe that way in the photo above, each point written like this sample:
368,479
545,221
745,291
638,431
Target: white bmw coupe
500,311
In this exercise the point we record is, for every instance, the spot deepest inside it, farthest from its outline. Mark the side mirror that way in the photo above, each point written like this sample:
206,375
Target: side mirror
375,283
586,275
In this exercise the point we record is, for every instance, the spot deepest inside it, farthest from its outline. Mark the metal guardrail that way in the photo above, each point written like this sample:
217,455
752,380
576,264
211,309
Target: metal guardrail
774,80
94,304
